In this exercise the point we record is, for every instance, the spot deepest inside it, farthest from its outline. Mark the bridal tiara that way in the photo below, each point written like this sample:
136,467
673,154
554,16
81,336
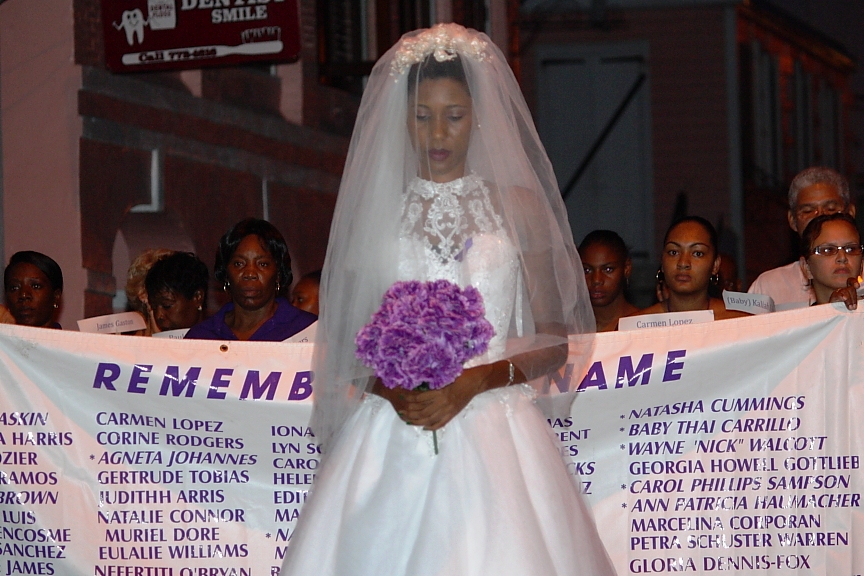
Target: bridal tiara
444,41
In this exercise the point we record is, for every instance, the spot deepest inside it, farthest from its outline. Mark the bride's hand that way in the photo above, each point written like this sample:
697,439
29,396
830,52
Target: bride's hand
433,409
399,398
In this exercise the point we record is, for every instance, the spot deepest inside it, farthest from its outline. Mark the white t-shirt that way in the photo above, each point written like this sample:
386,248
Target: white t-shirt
785,285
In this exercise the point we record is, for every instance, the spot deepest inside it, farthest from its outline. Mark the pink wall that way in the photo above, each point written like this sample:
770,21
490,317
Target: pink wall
39,85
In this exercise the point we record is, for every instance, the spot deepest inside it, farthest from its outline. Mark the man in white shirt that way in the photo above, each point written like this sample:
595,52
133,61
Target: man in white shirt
813,192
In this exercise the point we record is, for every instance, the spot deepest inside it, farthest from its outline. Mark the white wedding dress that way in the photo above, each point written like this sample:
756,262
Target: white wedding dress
497,499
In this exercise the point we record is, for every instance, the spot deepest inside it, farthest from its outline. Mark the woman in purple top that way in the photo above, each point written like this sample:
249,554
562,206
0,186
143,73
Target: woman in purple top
253,265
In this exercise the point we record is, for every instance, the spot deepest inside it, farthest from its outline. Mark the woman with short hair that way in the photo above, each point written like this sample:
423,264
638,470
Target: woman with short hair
253,266
34,288
177,291
607,266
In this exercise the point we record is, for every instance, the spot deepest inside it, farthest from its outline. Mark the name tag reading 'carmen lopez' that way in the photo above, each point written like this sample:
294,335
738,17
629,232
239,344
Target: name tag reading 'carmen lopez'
665,320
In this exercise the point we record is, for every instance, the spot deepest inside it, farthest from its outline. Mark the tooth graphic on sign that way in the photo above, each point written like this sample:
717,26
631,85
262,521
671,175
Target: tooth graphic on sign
133,22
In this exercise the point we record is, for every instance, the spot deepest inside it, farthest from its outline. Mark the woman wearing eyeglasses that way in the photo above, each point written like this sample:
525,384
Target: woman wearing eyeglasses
831,248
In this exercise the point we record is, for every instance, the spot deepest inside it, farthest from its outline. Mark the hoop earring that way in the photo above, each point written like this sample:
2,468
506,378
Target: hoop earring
660,277
226,286
278,286
715,279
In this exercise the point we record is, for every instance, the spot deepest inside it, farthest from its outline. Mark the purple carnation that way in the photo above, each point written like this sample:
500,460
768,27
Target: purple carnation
423,333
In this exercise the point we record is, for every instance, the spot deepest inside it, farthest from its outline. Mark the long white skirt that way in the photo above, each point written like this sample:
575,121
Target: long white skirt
497,499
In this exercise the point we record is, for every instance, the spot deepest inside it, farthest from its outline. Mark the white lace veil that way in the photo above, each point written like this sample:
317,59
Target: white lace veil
363,252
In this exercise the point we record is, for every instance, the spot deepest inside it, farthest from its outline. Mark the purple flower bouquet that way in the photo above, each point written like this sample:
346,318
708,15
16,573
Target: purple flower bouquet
423,333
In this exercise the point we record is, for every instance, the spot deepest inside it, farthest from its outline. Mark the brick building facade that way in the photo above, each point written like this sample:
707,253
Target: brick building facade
730,99
98,166
202,149
714,105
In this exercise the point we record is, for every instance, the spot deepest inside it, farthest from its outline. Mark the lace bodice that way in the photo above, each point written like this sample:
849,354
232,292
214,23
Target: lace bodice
451,231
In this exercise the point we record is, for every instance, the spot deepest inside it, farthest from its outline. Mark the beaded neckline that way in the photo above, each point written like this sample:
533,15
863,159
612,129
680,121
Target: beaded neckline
427,189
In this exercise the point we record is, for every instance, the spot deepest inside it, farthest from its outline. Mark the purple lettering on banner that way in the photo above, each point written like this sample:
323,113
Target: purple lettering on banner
219,381
672,365
302,386
594,378
562,382
138,378
253,383
106,374
172,379
627,374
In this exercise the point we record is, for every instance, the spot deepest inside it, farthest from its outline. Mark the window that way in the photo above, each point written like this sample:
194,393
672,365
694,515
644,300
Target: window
767,137
815,124
828,126
353,34
802,82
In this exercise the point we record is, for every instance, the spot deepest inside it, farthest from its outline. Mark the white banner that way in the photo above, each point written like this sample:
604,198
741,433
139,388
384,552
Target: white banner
727,447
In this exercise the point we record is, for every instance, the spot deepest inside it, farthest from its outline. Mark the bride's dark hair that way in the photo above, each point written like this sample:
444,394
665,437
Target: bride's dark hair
432,69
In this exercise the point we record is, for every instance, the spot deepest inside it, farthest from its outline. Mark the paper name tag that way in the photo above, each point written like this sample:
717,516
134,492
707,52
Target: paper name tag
750,303
665,320
113,323
172,334
306,335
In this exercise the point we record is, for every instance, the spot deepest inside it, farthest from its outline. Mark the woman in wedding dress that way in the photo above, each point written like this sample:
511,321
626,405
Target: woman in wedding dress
446,179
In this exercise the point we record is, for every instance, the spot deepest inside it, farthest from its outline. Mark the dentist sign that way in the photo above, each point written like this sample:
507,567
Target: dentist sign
180,34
